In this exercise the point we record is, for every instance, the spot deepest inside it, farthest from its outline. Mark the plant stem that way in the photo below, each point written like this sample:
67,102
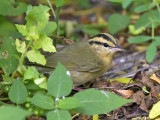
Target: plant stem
50,5
3,99
57,19
152,29
157,4
23,56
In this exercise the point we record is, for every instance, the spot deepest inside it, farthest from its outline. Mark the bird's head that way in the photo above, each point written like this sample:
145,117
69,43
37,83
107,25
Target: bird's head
105,45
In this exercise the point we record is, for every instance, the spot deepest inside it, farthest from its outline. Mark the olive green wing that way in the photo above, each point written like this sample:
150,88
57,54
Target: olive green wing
78,57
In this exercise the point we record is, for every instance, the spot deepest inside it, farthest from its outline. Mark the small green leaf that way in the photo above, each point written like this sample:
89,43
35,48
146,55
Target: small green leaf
8,56
31,73
116,26
37,16
60,82
36,56
46,43
151,52
21,46
59,115
18,92
59,3
139,39
69,103
22,29
7,79
155,111
41,82
126,3
43,101
13,113
49,28
98,101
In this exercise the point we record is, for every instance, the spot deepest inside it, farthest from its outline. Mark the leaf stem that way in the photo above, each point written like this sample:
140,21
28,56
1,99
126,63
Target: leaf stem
50,5
57,19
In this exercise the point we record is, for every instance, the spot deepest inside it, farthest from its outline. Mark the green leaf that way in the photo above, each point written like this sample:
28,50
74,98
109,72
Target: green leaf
13,113
151,52
18,92
143,8
126,3
60,82
69,103
157,40
59,3
31,73
49,28
36,56
45,43
37,16
139,39
98,101
155,111
8,9
146,19
32,86
7,79
6,27
41,82
21,46
43,101
8,54
59,115
22,29
91,31
118,22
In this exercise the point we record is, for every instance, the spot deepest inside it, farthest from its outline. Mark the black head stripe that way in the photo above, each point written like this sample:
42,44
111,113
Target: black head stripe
95,42
105,37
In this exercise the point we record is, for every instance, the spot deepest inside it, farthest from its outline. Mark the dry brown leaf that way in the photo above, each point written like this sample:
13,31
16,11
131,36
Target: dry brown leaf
125,93
155,78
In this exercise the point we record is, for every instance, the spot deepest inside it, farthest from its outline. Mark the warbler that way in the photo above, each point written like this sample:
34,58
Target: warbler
86,60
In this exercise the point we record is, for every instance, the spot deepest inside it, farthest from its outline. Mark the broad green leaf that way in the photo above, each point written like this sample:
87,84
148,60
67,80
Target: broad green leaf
43,101
6,27
21,46
41,82
32,86
59,3
98,101
155,111
69,103
18,92
13,113
139,39
8,56
151,52
49,28
46,43
84,4
145,7
22,29
60,82
36,56
7,8
91,31
118,22
157,40
59,115
146,19
31,73
126,3
37,16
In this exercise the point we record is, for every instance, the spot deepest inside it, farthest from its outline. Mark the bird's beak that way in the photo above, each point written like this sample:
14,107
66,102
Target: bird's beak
118,48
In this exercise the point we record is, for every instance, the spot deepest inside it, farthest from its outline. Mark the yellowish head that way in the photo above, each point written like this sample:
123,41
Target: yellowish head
105,45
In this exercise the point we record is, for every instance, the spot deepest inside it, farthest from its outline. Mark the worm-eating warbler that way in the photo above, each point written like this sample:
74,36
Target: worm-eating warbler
86,60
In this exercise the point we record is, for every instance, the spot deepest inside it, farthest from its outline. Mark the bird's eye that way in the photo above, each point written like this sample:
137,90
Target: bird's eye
105,45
